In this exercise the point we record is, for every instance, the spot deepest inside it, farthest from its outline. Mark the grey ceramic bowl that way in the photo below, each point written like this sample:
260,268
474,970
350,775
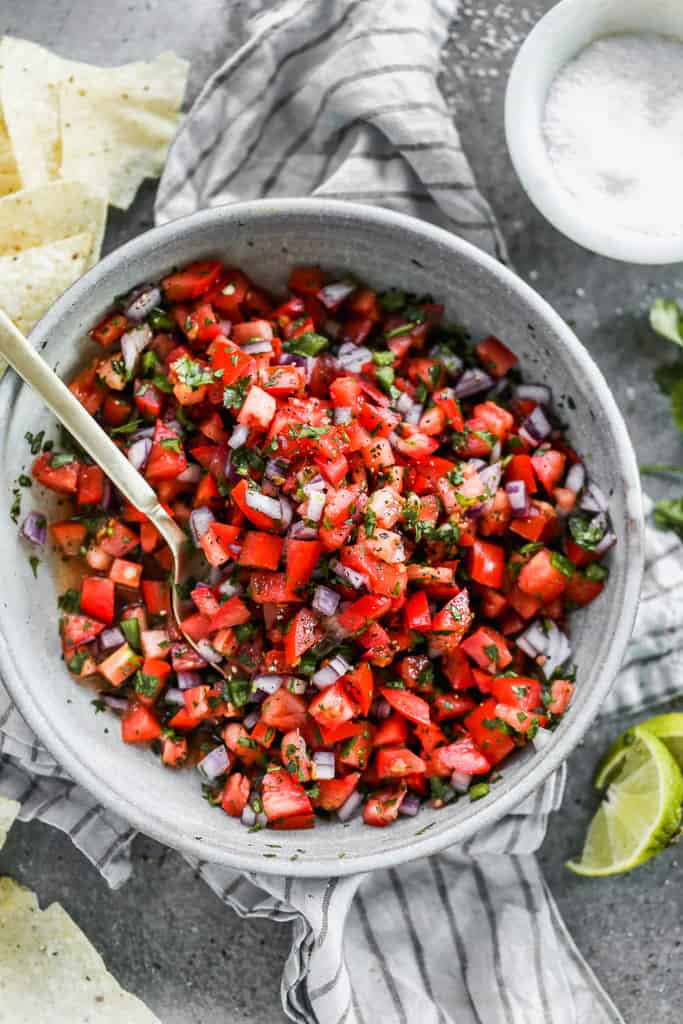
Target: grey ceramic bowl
266,238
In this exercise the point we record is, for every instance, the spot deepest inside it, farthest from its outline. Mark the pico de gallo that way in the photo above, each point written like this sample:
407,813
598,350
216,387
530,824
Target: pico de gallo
390,530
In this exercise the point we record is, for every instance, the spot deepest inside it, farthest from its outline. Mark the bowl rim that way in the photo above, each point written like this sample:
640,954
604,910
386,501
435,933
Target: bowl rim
164,828
530,159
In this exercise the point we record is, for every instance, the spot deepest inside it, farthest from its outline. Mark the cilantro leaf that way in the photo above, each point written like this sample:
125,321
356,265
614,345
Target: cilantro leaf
234,396
307,344
666,319
668,514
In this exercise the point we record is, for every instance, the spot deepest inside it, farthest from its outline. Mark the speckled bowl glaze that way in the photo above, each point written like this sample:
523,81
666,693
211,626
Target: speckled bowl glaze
266,238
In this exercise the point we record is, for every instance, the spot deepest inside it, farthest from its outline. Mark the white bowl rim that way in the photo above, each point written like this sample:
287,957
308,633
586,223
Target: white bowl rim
163,827
524,137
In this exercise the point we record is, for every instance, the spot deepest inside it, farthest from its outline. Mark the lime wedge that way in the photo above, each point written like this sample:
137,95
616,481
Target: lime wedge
667,728
641,810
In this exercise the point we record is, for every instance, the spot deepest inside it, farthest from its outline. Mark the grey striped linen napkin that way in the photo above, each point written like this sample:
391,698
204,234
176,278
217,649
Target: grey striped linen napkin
340,98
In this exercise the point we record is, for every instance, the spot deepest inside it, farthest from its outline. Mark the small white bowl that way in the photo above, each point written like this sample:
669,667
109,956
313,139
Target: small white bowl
558,37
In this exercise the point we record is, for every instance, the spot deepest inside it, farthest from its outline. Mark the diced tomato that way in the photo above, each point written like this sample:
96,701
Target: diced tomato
382,808
581,590
90,486
110,329
235,794
541,578
120,665
495,357
260,550
397,762
58,471
461,756
70,536
174,751
139,725
332,705
548,467
520,467
97,598
486,564
487,648
284,710
412,707
333,793
233,612
283,796
561,692
302,634
193,281
494,743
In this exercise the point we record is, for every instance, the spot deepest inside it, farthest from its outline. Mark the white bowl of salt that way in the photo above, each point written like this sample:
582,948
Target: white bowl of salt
594,125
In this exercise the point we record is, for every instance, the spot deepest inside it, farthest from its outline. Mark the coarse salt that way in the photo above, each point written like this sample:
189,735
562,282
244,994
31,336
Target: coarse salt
613,128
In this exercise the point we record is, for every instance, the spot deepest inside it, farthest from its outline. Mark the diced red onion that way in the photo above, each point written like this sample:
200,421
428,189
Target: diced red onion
326,676
269,682
576,477
315,484
209,652
138,453
542,738
460,782
350,806
350,576
228,587
332,295
519,499
250,720
557,651
342,414
300,531
115,703
286,512
490,476
276,470
191,475
143,432
225,327
108,502
325,600
316,505
472,382
263,503
143,303
292,359
186,679
239,436
174,695
451,363
535,427
353,357
476,464
538,393
324,764
248,818
414,414
296,685
216,762
200,520
496,452
110,638
34,528
533,640
593,499
606,543
257,348
341,664
133,343
262,819
380,709
410,805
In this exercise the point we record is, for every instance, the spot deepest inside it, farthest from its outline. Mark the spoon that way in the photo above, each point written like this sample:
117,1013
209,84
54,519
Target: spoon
99,446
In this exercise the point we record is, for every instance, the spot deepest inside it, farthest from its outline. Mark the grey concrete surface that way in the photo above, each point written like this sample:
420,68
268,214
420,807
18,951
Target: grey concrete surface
164,935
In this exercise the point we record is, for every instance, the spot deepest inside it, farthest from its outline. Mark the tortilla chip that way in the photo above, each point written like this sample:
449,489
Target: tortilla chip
48,213
50,971
9,182
29,76
117,123
109,127
8,164
31,280
8,812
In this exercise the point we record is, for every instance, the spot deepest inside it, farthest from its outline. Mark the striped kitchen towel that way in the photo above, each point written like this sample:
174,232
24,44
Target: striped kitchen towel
340,98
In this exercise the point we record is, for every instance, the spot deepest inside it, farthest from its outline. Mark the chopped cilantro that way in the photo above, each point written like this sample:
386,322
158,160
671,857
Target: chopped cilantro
172,444
562,563
234,396
307,344
159,320
127,428
69,601
131,630
383,358
588,533
35,441
370,522
34,562
478,790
